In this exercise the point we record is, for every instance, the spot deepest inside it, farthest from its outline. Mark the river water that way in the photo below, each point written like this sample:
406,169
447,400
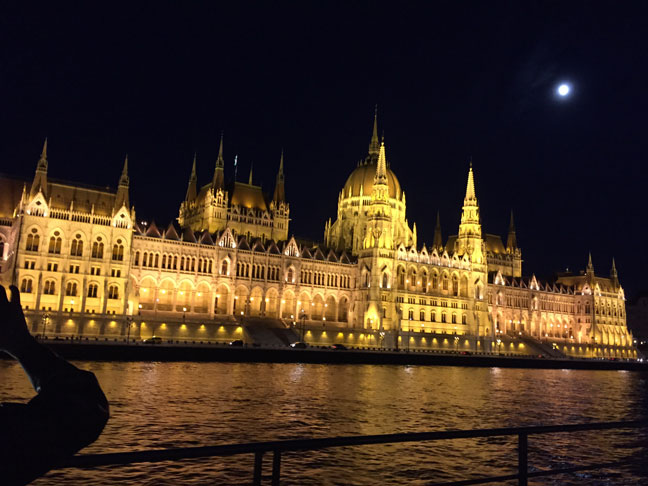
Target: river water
158,405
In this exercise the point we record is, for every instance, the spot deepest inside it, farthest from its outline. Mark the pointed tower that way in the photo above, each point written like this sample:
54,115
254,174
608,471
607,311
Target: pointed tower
469,239
193,181
378,233
374,145
589,271
280,191
121,198
437,244
511,242
613,274
250,178
218,182
40,178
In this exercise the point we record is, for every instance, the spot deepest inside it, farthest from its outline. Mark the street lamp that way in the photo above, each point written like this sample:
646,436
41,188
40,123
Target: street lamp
45,320
129,321
302,317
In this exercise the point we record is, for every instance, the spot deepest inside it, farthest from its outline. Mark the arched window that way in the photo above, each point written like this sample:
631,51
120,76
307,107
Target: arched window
445,281
118,251
224,268
92,290
443,317
50,287
455,286
26,286
33,240
97,248
410,315
366,279
464,319
55,244
136,260
291,275
422,315
113,292
435,281
71,289
433,317
76,248
424,282
454,318
401,277
385,281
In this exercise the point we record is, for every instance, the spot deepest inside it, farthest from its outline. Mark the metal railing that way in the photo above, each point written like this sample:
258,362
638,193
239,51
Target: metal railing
277,448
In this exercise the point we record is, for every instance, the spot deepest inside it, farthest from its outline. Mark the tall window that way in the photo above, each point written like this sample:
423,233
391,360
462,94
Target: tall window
50,287
113,292
224,268
76,248
455,285
291,275
71,289
385,281
26,286
97,248
424,282
55,243
410,315
118,251
33,240
422,315
92,290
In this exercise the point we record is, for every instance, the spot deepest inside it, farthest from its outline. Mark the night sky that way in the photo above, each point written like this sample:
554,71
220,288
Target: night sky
452,80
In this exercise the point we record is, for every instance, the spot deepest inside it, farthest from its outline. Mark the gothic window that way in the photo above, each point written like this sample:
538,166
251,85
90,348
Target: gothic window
411,315
464,319
455,285
76,248
55,244
92,290
33,241
385,281
137,257
401,277
26,286
50,287
443,317
118,251
424,282
435,281
157,259
164,261
97,248
366,280
445,281
291,275
113,292
422,315
454,318
433,317
71,289
225,268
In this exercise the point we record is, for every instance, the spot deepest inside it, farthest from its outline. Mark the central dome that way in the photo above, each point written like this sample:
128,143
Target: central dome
363,175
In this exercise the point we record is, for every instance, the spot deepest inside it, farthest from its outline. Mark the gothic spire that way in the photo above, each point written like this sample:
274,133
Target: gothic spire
250,178
121,198
470,186
280,191
218,182
590,265
40,178
438,239
381,167
374,146
193,181
511,243
614,276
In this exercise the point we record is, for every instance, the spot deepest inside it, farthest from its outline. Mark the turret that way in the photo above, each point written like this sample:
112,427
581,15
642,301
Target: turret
613,274
40,178
121,198
280,191
469,239
193,181
218,182
437,244
511,242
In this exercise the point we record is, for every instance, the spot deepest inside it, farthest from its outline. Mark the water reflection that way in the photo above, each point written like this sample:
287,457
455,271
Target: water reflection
158,405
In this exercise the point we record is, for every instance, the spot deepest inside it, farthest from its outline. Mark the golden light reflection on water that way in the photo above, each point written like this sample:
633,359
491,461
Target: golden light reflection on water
156,405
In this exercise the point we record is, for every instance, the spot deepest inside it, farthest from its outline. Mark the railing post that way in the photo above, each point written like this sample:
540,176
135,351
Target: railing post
258,466
276,468
523,459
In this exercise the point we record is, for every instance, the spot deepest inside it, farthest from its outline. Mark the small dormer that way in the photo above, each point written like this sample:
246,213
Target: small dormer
122,219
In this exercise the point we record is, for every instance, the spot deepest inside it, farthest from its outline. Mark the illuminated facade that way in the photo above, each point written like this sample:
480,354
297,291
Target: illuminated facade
82,261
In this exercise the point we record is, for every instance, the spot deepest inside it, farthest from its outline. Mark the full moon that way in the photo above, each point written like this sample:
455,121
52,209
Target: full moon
563,89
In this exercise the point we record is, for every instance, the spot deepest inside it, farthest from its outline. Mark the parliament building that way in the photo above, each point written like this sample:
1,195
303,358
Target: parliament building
229,268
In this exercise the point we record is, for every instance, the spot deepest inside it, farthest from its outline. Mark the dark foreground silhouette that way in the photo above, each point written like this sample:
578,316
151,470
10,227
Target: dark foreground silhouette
68,413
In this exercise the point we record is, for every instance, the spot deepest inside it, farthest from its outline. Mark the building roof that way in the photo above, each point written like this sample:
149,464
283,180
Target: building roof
61,194
10,195
363,175
248,196
494,244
